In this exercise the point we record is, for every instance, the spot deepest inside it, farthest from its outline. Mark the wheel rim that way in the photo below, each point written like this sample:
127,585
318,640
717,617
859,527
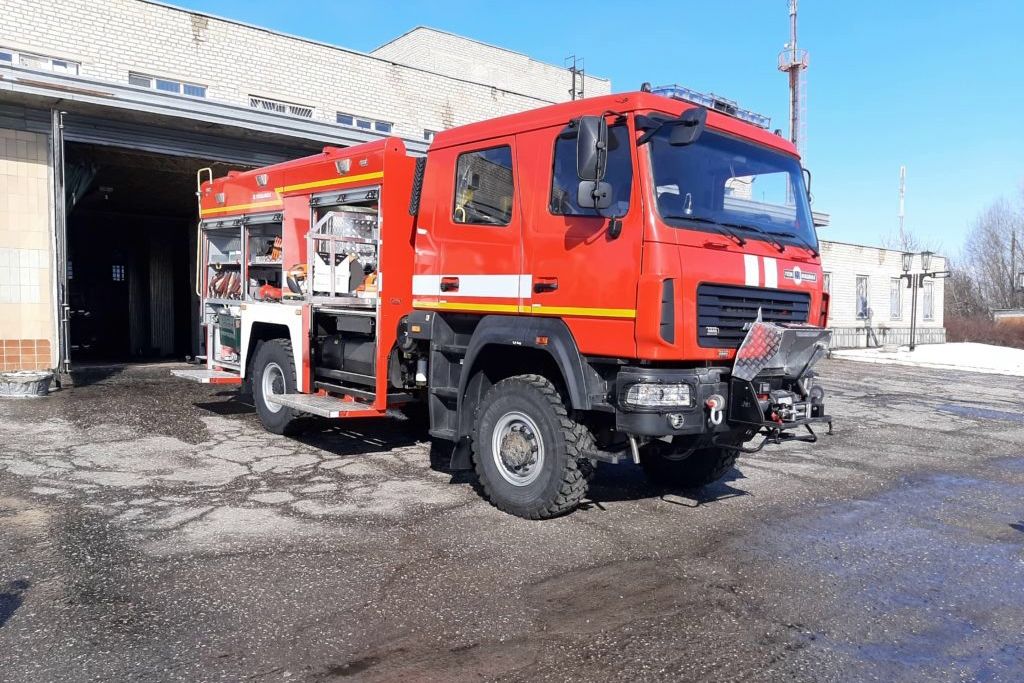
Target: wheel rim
517,448
272,384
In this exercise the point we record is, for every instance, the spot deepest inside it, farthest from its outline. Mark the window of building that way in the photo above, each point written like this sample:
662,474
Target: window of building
484,187
428,135
895,298
564,181
863,300
928,301
38,62
117,272
280,107
166,85
364,123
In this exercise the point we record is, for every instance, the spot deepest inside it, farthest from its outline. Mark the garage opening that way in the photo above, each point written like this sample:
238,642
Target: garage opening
131,235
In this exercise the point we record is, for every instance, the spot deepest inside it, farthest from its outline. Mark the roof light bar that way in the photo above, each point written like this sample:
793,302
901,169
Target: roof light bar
713,102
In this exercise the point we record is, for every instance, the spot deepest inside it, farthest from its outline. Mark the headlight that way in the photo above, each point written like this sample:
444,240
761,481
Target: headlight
659,395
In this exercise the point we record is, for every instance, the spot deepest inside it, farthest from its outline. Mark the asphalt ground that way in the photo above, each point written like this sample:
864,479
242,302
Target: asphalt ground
151,530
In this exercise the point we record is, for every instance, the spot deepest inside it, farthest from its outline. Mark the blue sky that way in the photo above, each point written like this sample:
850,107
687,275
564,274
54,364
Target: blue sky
937,86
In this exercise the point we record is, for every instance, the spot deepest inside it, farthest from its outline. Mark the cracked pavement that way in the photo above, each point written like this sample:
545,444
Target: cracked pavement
151,530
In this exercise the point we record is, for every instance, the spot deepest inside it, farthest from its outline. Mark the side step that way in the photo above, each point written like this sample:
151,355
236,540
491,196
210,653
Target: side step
205,376
324,406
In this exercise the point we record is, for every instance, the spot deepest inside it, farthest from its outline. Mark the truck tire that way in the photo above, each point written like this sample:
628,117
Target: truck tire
665,465
274,372
526,449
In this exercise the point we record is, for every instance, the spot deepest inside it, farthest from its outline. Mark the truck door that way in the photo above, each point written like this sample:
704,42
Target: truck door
476,231
580,270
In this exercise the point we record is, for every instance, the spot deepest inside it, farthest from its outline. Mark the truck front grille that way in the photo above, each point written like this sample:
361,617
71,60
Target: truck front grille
725,311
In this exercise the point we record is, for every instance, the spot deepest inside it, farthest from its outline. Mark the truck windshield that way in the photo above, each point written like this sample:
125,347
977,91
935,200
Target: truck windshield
720,180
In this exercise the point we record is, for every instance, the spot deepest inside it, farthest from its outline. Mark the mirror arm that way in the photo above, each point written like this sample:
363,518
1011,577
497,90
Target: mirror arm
614,227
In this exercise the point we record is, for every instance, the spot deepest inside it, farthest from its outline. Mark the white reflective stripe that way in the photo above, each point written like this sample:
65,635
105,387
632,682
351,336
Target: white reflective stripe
426,285
491,286
771,272
751,270
525,286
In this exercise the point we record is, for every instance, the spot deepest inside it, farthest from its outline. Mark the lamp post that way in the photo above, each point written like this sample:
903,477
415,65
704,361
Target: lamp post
914,282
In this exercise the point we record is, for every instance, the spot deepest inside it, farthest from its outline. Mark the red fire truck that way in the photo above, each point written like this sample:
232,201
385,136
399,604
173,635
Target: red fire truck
629,276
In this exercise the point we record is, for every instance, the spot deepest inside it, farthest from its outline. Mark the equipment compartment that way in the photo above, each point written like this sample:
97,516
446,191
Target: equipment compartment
344,254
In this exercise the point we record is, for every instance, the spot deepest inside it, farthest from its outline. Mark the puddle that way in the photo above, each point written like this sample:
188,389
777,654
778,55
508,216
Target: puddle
920,582
981,413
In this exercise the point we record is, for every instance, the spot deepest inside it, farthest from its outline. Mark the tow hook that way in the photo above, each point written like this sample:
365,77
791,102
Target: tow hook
715,403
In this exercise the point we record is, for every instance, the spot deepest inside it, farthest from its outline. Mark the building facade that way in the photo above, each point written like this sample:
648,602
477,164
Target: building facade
108,108
870,304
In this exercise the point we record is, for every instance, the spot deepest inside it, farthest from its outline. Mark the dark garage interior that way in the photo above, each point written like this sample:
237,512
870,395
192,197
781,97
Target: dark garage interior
131,248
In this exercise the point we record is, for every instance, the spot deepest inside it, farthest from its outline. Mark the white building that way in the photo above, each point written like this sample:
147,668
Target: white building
871,305
108,107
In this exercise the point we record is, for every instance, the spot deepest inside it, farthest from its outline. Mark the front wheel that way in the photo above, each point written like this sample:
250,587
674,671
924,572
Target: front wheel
526,449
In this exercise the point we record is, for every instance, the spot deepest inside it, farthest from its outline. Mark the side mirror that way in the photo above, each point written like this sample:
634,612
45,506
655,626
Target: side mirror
807,184
592,148
688,127
594,194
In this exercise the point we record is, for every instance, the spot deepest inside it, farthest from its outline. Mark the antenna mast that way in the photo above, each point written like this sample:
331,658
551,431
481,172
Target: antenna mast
575,66
900,215
793,61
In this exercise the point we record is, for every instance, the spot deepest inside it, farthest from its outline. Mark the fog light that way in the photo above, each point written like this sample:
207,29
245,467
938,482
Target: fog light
659,395
675,420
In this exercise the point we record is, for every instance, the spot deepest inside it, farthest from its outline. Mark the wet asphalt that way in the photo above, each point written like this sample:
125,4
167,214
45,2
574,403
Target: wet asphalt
150,530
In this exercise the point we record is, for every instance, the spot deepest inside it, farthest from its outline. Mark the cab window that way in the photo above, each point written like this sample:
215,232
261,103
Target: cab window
564,181
484,187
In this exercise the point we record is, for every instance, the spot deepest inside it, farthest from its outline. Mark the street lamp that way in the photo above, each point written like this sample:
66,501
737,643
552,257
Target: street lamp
915,281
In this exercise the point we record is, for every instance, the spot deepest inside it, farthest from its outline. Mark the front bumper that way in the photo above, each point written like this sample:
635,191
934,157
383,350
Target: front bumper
675,421
778,407
768,390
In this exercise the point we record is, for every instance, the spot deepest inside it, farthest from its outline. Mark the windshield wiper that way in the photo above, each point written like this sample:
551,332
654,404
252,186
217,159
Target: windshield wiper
801,240
722,227
767,235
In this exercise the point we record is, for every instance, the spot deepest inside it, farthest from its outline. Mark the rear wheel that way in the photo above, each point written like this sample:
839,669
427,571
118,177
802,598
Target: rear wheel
526,449
681,466
274,373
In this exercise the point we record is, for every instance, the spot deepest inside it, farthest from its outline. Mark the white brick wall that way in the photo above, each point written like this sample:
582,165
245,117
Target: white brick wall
112,37
460,57
846,261
26,307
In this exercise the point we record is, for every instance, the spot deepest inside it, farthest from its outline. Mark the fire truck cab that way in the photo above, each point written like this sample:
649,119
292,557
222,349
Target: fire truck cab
630,276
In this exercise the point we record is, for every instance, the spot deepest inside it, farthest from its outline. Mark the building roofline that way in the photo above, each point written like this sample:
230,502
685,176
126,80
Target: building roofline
339,48
870,246
424,27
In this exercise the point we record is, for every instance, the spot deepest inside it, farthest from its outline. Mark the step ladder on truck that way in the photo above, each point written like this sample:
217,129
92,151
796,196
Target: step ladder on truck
545,303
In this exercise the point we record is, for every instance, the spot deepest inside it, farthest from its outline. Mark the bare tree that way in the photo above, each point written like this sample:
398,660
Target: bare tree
987,260
962,296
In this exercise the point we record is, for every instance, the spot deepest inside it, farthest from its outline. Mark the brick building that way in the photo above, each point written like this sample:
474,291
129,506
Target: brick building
870,303
108,108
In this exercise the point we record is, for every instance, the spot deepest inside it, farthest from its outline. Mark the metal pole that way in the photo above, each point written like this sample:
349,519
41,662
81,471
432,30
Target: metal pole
914,281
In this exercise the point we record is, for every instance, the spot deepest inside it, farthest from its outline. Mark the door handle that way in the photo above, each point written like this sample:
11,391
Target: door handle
449,284
545,284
